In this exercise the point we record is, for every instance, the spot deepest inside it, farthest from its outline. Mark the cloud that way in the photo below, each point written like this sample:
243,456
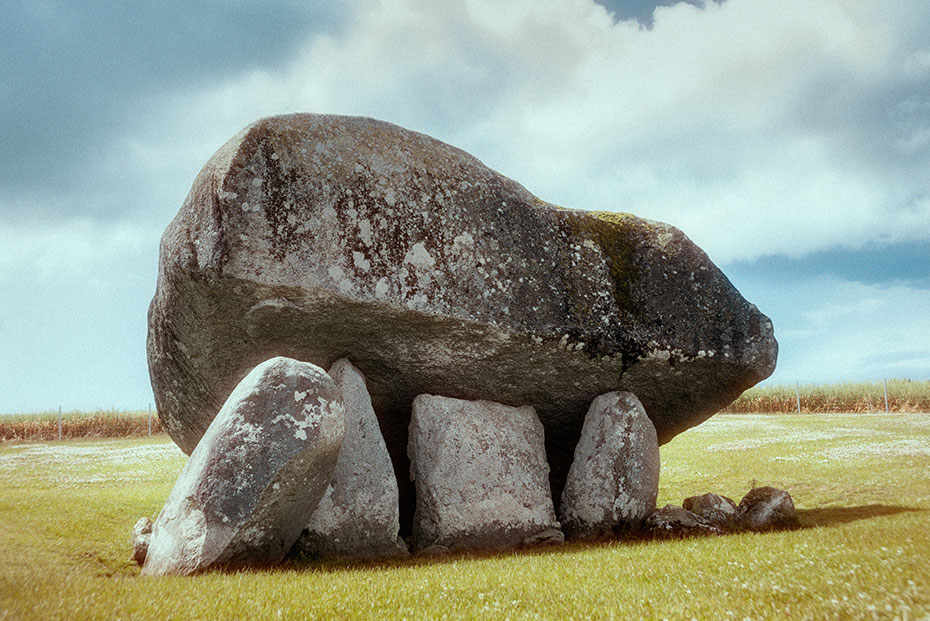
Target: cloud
800,125
72,74
791,140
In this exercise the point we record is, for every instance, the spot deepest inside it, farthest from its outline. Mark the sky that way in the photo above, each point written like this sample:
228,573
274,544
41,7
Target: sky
790,140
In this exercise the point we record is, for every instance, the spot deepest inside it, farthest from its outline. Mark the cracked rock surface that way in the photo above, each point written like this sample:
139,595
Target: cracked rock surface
319,237
259,471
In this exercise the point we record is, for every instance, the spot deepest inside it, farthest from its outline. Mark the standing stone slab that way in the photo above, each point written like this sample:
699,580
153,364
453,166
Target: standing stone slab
358,516
613,482
261,468
481,476
320,237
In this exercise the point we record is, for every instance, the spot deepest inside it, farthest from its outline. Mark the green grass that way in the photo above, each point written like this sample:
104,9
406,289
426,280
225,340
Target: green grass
904,395
861,483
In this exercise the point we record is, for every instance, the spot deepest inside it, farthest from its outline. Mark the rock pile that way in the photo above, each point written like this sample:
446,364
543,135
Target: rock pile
761,509
566,346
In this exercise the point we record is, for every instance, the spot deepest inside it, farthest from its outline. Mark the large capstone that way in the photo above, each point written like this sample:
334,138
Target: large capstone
320,237
358,516
482,481
259,471
613,482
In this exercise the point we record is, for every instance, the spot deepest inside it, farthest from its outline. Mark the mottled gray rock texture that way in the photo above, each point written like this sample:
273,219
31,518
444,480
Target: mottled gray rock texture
141,533
320,237
358,516
672,522
614,479
482,481
716,509
259,471
766,508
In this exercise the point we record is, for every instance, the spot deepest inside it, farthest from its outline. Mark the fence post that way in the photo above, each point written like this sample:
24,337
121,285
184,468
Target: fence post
150,419
59,423
797,392
885,381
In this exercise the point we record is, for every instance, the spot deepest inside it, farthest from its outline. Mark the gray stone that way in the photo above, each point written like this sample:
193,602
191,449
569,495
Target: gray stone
358,516
141,533
766,508
613,482
481,475
260,470
673,522
716,509
321,237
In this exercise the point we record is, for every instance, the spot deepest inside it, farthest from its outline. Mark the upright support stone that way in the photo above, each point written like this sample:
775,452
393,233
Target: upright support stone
481,476
258,472
358,516
613,481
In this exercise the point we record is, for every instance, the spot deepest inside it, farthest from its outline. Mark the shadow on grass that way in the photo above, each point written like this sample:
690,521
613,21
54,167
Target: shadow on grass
807,518
830,516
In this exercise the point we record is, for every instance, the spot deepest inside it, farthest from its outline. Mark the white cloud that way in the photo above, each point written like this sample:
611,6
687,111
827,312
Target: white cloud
63,252
704,121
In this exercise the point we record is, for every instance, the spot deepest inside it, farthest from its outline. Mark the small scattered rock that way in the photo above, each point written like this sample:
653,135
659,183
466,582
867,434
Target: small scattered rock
716,509
481,475
548,537
259,471
358,516
674,522
141,533
766,508
614,479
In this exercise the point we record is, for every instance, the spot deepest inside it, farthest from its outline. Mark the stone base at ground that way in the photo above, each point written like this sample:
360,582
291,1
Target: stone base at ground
141,533
481,476
614,479
672,522
358,516
716,509
766,508
259,471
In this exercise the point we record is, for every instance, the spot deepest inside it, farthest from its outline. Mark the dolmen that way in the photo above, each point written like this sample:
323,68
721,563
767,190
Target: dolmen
318,238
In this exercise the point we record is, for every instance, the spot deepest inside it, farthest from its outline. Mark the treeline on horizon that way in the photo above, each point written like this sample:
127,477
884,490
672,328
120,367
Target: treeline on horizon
904,395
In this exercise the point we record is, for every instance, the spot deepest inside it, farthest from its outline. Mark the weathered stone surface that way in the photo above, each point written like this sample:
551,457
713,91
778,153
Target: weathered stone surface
673,522
319,237
766,508
481,475
614,479
141,533
716,509
259,471
358,516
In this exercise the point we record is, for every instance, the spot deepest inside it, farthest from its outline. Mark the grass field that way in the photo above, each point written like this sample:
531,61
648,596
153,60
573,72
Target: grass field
861,483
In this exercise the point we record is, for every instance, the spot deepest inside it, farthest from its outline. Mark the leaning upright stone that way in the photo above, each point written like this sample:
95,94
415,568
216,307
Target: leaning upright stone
614,480
259,470
482,481
359,516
